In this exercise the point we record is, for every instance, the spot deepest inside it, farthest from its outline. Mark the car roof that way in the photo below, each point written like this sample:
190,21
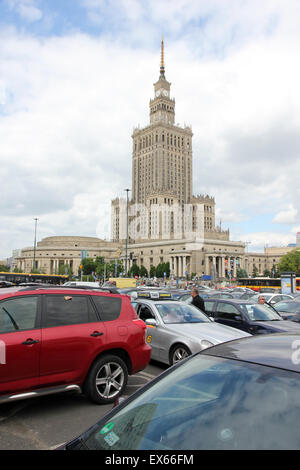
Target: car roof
158,301
54,290
233,300
276,350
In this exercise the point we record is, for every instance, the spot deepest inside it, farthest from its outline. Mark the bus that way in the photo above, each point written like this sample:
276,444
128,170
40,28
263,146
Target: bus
18,278
264,284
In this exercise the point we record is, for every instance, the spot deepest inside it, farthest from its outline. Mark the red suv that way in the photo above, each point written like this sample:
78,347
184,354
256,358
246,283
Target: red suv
62,339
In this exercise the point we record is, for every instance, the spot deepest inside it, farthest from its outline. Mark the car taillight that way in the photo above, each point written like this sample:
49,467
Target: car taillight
142,325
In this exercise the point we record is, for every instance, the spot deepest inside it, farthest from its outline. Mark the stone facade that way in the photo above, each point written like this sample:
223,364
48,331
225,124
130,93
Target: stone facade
51,252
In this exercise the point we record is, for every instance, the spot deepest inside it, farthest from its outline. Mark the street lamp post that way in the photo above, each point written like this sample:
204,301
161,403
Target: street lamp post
34,248
126,245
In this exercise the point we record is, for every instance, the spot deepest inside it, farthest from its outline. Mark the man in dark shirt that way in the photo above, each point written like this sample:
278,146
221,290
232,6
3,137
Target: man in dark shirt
197,300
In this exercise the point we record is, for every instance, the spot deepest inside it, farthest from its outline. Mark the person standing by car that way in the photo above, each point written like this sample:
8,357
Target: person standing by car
197,300
261,299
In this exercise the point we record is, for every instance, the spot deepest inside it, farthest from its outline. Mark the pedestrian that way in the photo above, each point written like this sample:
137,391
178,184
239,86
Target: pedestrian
261,299
197,300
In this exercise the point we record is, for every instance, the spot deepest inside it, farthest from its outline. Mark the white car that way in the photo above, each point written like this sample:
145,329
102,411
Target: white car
81,284
271,299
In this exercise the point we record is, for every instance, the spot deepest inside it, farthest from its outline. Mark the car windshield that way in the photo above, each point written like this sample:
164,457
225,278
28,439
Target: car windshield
181,313
259,312
204,404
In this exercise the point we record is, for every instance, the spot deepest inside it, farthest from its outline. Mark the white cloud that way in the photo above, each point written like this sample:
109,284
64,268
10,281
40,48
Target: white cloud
288,216
68,106
27,9
256,241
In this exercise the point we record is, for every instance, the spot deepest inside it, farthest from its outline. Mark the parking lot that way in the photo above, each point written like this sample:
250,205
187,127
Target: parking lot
46,422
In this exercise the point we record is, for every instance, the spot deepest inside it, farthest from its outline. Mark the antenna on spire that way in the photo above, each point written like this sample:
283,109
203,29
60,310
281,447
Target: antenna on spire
162,63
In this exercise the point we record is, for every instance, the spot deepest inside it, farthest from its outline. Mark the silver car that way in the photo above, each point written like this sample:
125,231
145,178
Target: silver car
175,329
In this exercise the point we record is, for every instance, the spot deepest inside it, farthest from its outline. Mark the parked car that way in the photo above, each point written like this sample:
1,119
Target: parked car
240,395
272,299
6,284
180,295
248,316
60,339
211,295
176,330
81,284
288,309
295,295
247,295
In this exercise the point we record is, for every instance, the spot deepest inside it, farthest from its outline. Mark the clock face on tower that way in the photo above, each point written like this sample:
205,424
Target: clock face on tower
157,93
165,92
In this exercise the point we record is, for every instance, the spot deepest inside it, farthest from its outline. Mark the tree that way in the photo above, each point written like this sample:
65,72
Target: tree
143,271
275,272
267,273
160,270
255,271
134,270
152,271
4,269
17,270
241,273
290,262
88,266
65,269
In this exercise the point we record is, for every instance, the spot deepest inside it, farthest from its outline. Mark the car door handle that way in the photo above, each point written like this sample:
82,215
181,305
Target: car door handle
30,341
97,333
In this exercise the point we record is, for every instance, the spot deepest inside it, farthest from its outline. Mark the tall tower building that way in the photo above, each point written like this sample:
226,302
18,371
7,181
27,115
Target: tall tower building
162,151
162,204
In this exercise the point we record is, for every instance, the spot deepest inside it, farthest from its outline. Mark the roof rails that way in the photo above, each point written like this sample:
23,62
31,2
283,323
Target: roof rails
51,286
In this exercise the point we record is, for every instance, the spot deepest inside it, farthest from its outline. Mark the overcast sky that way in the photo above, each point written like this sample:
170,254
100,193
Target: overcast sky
76,77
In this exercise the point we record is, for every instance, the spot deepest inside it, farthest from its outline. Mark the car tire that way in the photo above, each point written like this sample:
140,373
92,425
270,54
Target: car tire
178,353
106,380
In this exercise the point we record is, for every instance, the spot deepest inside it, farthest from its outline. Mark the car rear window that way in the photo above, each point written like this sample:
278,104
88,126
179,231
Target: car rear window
109,308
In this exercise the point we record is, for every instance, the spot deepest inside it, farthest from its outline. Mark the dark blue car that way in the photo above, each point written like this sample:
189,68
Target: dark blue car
249,316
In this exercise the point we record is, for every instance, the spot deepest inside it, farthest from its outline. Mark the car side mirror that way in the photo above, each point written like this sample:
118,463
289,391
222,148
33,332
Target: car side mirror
151,322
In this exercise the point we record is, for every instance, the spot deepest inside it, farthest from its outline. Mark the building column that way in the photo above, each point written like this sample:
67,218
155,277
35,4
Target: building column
206,265
184,265
223,267
214,267
234,266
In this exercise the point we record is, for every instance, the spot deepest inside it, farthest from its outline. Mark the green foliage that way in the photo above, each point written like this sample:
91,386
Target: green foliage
152,271
255,271
17,270
88,266
102,269
64,269
290,262
163,268
4,269
143,271
267,273
134,270
241,273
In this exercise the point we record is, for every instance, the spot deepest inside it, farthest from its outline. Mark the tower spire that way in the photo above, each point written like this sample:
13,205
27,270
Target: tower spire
162,63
